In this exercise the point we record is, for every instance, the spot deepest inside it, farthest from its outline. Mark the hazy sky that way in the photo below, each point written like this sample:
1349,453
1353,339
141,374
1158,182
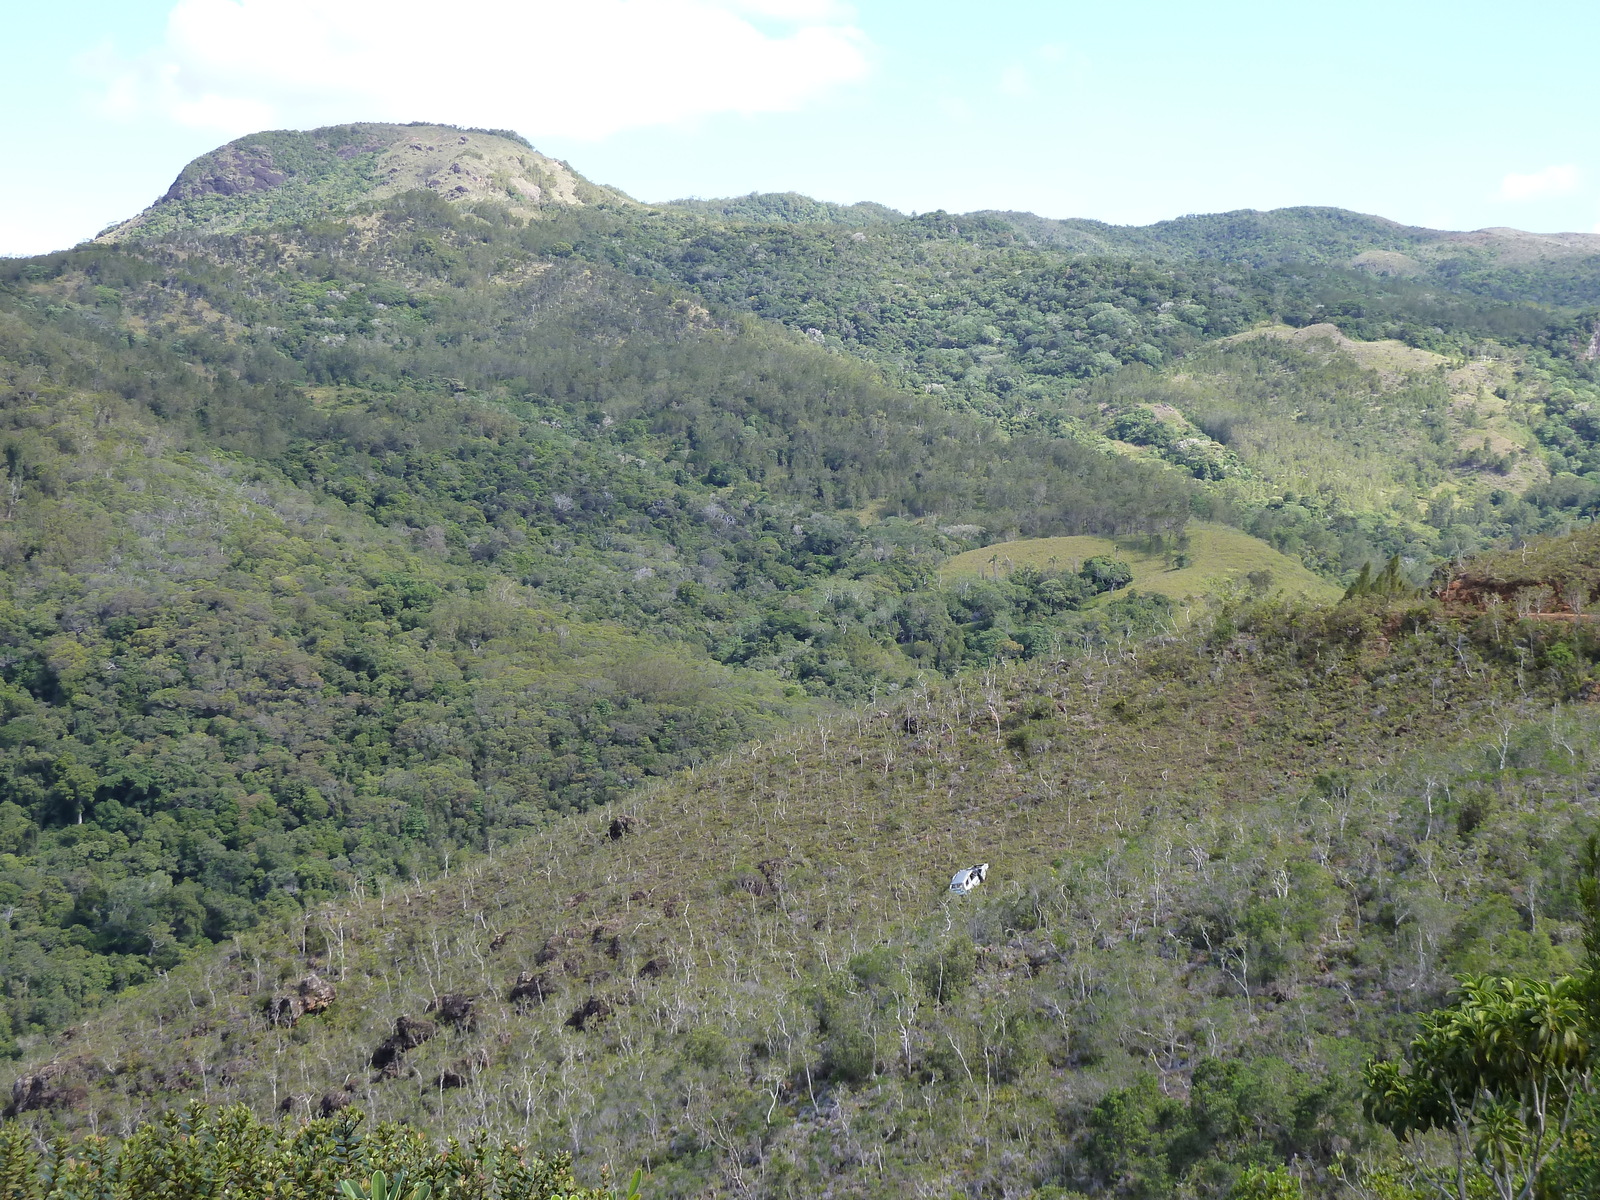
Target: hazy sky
1454,115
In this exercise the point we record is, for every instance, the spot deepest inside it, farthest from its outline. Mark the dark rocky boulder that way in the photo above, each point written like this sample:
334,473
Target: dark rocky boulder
409,1033
455,1009
530,988
55,1085
460,1072
311,995
333,1102
591,1012
552,948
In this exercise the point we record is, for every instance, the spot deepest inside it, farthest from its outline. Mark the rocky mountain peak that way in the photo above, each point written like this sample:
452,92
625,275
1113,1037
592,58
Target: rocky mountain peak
280,175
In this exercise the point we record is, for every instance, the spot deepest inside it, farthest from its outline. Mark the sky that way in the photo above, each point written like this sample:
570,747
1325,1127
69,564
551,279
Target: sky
1452,115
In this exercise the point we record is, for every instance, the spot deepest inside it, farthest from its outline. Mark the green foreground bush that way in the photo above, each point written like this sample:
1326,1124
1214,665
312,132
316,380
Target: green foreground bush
203,1152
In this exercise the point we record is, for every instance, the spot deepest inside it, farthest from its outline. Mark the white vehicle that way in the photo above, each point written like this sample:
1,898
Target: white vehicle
968,878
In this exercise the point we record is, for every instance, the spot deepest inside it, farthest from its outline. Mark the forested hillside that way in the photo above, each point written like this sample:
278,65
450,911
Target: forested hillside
340,552
381,542
1224,869
1438,407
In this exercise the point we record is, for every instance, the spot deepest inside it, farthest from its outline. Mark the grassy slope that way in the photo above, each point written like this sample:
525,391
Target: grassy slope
1272,841
1221,556
1476,414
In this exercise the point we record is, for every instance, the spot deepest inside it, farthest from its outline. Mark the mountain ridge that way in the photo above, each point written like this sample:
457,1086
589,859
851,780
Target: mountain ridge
276,174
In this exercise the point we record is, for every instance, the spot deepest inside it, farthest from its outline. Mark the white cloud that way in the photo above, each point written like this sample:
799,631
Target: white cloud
796,10
543,67
1552,181
1016,82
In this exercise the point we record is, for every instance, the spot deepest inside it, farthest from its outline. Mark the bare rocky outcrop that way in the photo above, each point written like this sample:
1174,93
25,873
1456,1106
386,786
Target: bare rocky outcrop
266,176
313,994
56,1085
409,1033
455,1009
591,1012
531,988
230,171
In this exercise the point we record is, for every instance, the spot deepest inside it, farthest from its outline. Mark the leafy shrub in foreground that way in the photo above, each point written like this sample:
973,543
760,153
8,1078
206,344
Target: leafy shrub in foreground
200,1152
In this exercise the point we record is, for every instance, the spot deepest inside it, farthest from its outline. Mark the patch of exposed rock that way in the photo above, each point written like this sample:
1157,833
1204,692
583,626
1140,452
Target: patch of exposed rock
313,994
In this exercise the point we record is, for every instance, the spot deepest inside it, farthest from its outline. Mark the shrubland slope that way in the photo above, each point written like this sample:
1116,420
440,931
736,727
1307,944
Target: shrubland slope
1225,867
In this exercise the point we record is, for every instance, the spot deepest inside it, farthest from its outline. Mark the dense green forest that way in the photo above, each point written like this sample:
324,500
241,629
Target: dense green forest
359,540
1476,439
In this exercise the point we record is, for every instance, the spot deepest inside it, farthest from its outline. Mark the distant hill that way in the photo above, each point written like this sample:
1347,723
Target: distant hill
1246,235
285,175
281,175
788,208
1507,264
1306,234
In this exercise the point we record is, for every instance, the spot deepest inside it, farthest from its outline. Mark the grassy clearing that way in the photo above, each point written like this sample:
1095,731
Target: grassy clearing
1219,556
1377,430
1393,360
